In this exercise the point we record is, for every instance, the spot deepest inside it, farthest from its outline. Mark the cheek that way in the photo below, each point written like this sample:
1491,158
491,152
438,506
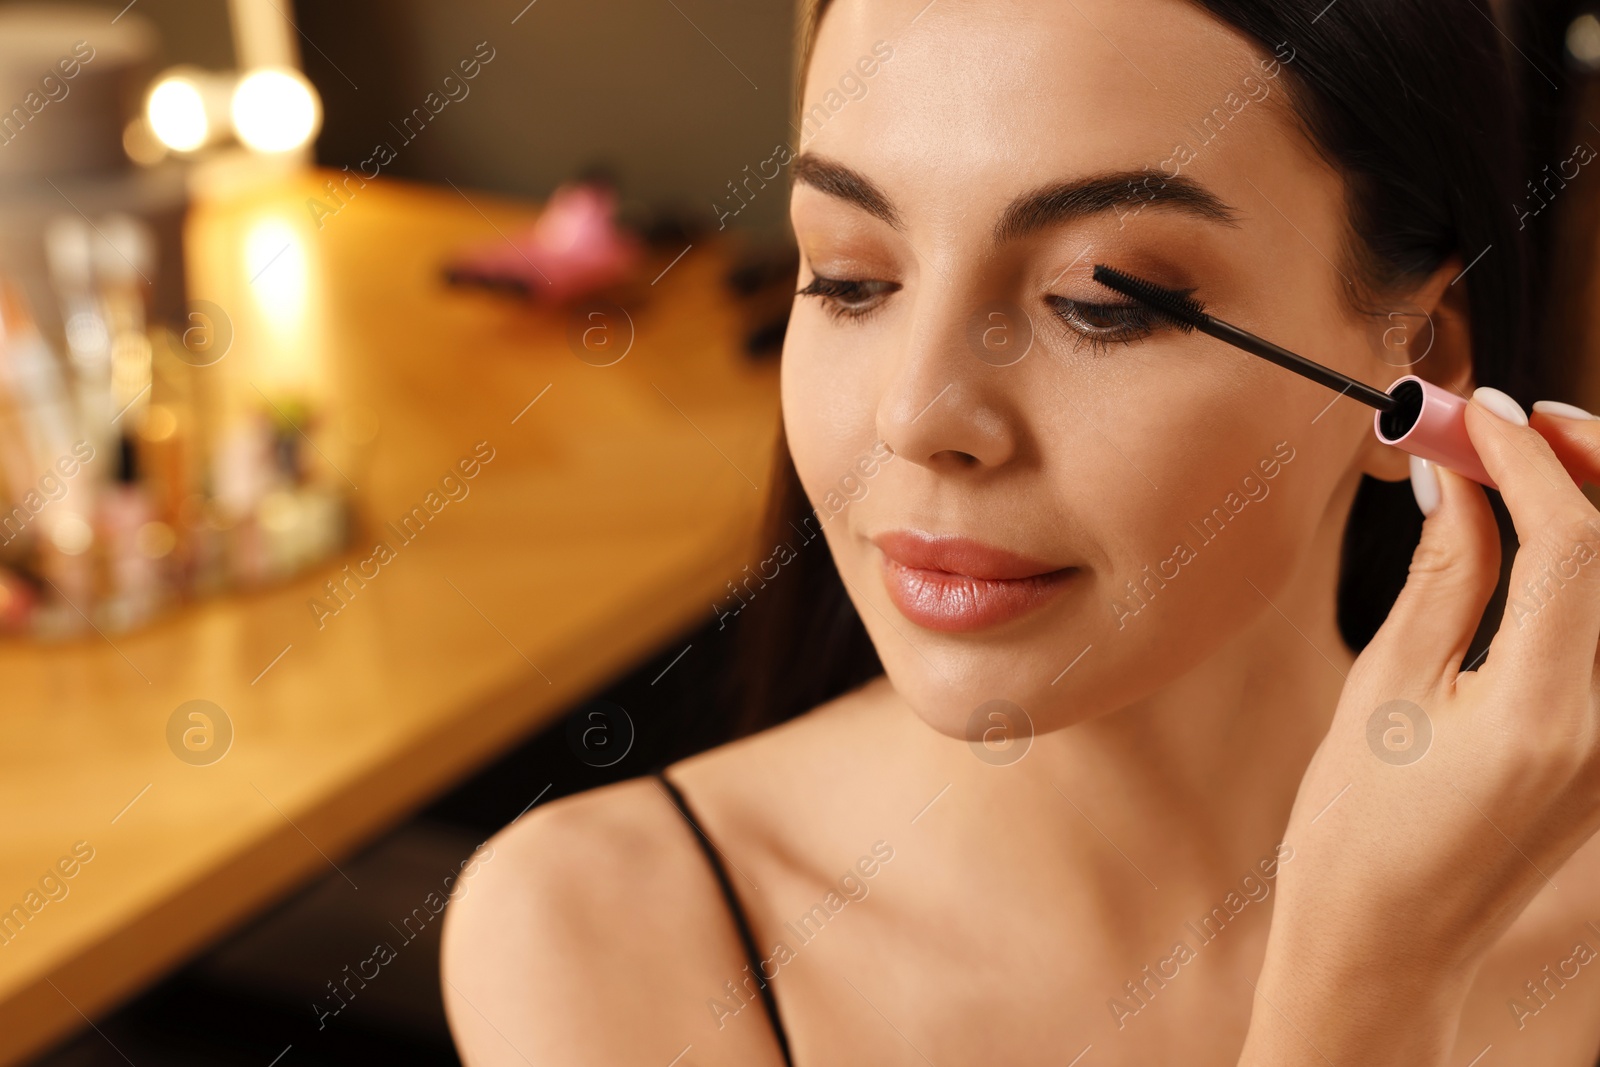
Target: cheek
1168,466
1153,436
1190,536
829,403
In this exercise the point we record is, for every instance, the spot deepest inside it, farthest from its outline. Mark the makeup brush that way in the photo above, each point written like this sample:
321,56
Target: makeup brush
1415,416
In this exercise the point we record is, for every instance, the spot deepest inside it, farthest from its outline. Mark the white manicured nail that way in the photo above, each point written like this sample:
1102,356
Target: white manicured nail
1424,484
1562,411
1498,403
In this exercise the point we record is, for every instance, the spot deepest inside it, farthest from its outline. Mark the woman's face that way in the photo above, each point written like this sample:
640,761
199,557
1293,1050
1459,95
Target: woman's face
1103,494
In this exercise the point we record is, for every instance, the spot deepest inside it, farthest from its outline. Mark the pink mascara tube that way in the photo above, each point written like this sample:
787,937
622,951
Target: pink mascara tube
1430,422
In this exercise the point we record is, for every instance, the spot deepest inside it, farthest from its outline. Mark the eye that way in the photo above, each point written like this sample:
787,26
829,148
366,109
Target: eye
849,298
1102,325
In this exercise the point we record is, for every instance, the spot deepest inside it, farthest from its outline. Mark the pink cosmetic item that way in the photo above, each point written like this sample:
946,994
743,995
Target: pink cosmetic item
1414,416
1430,422
575,248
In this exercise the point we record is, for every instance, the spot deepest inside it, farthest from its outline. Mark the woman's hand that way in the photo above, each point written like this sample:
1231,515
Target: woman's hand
1442,799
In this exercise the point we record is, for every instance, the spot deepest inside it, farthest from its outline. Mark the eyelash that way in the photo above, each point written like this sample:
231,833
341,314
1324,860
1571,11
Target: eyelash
1127,322
851,299
837,295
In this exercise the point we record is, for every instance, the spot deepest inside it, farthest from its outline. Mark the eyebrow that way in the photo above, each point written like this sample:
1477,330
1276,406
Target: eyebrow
1047,206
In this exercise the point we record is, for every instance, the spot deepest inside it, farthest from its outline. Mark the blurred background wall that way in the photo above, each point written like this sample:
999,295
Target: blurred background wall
191,31
675,97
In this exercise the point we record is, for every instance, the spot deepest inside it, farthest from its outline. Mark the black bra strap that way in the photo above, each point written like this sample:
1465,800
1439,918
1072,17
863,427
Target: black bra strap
737,910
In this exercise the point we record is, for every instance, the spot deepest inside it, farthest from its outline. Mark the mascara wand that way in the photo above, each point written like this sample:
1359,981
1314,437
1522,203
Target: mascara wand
1188,314
1415,415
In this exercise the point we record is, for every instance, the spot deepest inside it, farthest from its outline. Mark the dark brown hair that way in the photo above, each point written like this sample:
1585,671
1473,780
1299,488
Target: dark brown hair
1415,104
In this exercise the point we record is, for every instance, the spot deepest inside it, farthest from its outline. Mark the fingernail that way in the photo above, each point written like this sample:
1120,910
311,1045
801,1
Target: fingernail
1562,411
1424,485
1498,403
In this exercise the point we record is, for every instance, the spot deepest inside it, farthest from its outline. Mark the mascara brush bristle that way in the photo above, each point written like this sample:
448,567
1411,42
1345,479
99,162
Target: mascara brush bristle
1186,312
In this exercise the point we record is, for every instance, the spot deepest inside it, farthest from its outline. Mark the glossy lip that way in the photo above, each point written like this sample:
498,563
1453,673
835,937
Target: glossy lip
957,585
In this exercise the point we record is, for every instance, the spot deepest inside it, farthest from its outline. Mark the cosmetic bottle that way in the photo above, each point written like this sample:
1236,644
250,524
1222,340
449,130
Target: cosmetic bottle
19,466
66,559
242,474
123,259
33,376
124,514
302,518
201,567
281,513
70,254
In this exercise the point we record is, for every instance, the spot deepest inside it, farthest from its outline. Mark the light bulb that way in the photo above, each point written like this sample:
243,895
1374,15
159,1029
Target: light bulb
1583,40
177,114
275,110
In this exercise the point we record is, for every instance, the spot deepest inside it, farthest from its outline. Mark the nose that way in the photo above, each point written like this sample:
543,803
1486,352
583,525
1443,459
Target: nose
944,407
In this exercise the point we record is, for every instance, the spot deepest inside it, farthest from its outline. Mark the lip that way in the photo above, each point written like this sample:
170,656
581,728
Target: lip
957,585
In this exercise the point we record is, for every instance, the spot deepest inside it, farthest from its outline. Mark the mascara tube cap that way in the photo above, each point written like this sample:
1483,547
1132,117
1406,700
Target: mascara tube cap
1430,422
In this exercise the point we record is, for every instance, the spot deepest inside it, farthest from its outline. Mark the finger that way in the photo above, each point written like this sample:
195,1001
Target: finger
1552,617
1453,574
1574,436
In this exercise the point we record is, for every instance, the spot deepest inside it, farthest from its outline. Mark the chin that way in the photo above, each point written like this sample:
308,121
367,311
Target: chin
986,705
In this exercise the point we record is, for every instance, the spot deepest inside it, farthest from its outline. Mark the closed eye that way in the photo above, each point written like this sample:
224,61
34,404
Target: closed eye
1102,325
849,298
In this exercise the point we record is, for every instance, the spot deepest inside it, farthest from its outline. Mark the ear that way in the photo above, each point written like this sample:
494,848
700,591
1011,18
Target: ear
1424,331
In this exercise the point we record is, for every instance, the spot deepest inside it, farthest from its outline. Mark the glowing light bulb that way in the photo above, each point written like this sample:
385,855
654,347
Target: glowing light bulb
1583,40
177,114
275,110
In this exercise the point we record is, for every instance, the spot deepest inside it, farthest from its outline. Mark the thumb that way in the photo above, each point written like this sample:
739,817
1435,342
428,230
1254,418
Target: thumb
1453,573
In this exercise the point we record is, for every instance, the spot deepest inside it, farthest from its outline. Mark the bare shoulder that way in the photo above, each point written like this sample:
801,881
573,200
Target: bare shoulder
593,933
